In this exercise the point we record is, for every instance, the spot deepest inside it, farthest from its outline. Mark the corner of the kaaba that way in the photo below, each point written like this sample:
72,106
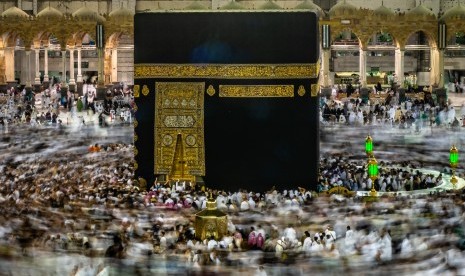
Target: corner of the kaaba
144,131
245,141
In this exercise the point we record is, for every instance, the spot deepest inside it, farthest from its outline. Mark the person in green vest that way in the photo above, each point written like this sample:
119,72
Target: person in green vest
79,105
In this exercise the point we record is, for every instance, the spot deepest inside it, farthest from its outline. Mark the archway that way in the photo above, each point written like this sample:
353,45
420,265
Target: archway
418,63
380,58
88,60
123,44
52,51
21,74
345,61
454,70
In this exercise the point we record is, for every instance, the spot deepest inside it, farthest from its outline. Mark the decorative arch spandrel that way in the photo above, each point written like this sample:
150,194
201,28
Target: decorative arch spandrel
453,27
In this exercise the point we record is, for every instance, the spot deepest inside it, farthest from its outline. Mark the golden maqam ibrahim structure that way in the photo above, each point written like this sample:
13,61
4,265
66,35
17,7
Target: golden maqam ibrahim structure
211,222
54,41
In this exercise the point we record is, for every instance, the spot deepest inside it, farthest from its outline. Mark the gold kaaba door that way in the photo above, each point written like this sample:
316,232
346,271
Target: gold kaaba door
179,130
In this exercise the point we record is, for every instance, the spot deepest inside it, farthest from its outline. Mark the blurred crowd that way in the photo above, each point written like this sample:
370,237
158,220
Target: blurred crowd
393,177
390,110
71,206
81,213
56,106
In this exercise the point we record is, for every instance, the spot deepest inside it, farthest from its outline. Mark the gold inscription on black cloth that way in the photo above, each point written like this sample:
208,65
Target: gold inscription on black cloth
315,90
301,91
256,91
136,91
227,71
179,109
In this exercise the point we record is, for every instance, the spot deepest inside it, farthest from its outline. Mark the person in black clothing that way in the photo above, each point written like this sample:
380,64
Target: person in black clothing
116,250
378,87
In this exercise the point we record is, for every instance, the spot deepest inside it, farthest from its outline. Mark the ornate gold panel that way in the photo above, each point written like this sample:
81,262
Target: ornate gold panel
211,226
227,71
179,109
315,90
301,90
211,91
256,91
136,91
145,90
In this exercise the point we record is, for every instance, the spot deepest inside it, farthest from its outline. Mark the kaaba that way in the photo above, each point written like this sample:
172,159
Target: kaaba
227,98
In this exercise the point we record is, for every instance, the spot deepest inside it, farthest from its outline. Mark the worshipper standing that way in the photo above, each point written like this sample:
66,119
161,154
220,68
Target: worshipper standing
330,231
238,239
406,248
163,241
349,242
290,233
252,239
212,244
245,206
280,247
385,246
317,246
214,258
307,242
227,242
79,105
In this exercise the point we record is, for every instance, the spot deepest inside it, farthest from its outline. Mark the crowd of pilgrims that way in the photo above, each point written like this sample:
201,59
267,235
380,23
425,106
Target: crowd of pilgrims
20,106
389,110
82,213
340,171
86,206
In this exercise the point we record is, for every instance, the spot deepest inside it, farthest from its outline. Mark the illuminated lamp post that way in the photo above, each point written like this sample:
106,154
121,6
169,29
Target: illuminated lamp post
369,146
372,173
454,161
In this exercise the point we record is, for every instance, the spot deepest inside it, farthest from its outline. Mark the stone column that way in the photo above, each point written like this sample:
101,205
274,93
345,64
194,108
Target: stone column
100,80
363,67
64,85
2,68
79,72
72,81
107,66
325,63
441,68
399,65
29,76
63,67
28,68
114,65
434,65
46,64
10,64
37,75
100,43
